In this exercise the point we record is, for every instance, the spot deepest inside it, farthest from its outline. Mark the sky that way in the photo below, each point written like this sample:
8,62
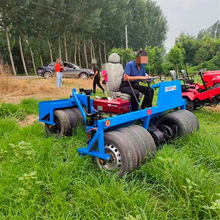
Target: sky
188,16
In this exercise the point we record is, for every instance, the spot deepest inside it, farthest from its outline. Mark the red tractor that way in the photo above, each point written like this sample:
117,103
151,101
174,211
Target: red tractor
199,95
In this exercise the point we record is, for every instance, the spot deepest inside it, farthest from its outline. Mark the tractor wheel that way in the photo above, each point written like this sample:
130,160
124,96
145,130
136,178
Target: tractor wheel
177,122
62,124
190,105
136,144
192,119
123,155
72,120
150,146
214,87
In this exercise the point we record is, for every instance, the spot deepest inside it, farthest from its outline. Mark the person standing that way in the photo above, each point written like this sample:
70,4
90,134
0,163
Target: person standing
59,71
105,81
96,80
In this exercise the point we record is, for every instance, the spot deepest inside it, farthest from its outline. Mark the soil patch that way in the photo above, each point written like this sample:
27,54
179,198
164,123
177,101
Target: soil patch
29,120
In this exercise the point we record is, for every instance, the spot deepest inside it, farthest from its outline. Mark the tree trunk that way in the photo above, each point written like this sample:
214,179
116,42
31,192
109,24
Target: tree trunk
10,53
100,54
32,57
177,70
41,60
51,54
75,50
60,55
91,53
65,48
105,53
80,64
22,56
85,53
93,48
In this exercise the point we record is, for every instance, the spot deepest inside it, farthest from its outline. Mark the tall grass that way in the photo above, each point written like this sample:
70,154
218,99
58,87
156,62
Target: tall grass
44,178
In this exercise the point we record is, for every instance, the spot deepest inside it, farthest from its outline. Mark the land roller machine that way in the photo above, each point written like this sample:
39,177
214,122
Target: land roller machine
118,138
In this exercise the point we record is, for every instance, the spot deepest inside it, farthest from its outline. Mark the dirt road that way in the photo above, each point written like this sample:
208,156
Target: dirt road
28,77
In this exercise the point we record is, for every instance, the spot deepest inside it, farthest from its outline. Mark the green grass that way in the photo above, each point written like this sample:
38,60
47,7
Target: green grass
19,111
44,178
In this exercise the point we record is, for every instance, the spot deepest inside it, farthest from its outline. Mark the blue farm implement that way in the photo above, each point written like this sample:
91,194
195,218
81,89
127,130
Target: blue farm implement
120,140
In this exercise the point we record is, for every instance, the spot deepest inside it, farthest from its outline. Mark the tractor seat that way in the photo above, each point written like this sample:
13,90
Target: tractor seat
190,81
173,75
115,72
186,78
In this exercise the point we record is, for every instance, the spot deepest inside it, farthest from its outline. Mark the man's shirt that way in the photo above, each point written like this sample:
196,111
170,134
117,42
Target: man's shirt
96,68
132,70
58,67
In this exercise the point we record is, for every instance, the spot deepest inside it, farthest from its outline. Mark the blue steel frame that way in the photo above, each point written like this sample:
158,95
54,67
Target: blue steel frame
169,97
46,109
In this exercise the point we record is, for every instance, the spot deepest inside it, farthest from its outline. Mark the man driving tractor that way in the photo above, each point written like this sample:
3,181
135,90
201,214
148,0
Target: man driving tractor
133,73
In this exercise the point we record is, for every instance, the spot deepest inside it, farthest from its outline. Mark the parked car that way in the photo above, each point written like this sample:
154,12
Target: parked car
70,71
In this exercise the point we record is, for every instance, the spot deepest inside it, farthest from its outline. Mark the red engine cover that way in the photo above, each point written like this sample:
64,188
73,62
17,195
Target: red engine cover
117,106
211,77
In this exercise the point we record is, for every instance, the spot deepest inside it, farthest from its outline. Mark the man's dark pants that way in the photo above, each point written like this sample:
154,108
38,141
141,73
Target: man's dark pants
96,81
147,102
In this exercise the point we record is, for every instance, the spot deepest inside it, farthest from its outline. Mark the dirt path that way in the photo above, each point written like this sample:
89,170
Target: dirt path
28,77
13,90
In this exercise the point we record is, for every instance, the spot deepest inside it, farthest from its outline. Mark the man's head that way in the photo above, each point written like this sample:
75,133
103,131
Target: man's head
142,57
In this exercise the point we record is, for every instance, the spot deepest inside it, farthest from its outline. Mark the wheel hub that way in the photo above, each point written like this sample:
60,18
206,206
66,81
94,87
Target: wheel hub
114,162
167,131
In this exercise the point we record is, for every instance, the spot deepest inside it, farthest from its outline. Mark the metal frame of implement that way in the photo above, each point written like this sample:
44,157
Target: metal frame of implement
169,97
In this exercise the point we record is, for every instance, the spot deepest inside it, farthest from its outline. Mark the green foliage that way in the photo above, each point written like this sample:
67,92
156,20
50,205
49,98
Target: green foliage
176,56
200,51
45,178
155,59
189,44
201,55
167,66
213,64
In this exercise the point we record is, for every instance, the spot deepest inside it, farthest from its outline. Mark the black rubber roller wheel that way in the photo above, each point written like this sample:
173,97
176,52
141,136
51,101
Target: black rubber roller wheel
78,114
150,146
62,124
123,155
71,115
135,142
192,119
141,151
177,121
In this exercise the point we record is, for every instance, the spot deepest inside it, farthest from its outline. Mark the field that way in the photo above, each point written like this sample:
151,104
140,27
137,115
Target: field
44,178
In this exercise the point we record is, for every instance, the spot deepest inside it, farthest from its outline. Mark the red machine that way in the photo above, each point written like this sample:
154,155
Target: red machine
198,95
116,106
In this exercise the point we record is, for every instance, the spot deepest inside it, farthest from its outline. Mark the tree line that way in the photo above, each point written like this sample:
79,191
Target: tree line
35,32
189,53
194,53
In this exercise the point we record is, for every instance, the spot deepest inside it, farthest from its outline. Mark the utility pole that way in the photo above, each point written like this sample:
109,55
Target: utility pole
126,36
